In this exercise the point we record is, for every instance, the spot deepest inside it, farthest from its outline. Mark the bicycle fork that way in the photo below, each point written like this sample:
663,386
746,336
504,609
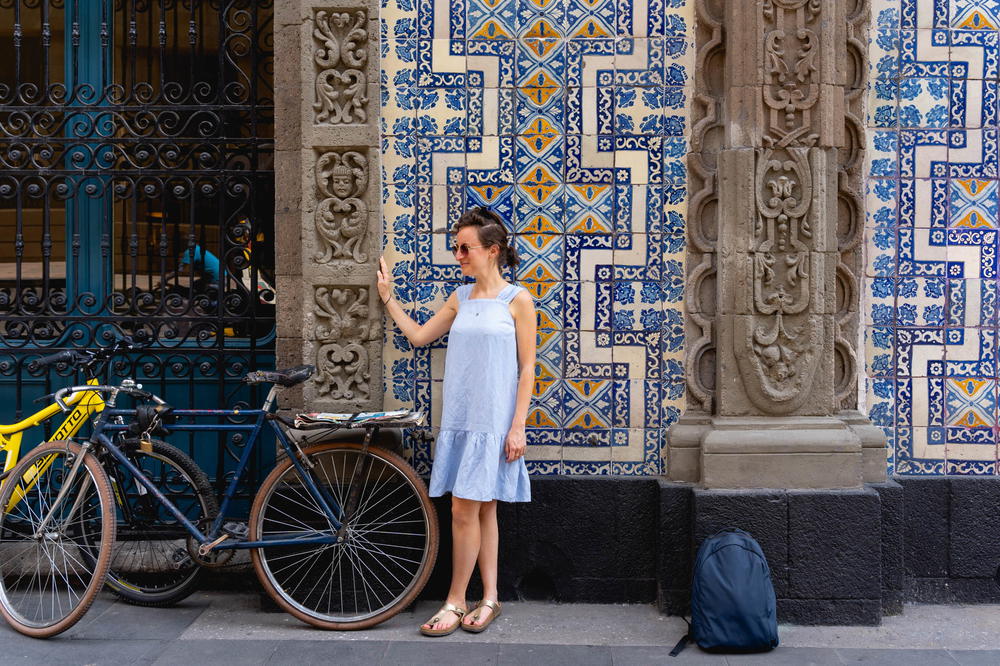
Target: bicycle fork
65,489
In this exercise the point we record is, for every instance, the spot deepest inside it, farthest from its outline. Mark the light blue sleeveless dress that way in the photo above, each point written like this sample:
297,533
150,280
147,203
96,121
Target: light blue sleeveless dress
480,392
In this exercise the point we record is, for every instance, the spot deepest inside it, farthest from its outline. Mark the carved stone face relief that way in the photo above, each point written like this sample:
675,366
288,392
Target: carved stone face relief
341,83
342,215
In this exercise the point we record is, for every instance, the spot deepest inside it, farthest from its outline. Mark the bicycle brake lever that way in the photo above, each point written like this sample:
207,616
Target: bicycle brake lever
44,398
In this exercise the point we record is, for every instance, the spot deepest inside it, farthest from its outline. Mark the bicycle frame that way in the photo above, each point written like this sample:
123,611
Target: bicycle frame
327,503
85,403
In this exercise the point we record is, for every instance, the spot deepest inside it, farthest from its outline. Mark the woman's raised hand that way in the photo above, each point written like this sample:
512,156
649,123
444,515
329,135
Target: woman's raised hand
383,284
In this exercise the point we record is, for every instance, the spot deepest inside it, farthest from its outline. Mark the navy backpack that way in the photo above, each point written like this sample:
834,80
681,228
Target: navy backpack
732,599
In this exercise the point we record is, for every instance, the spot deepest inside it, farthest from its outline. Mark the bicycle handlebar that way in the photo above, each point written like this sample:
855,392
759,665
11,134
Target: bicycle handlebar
135,391
84,357
69,357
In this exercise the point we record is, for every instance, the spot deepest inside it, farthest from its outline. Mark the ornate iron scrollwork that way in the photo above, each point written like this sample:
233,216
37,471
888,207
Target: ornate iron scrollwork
137,185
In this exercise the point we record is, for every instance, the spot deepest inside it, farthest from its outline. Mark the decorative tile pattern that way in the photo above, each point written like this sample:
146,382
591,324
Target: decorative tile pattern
974,15
930,276
567,117
973,203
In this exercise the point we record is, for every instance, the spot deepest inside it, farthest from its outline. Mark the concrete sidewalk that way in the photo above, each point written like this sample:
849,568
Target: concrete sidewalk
229,628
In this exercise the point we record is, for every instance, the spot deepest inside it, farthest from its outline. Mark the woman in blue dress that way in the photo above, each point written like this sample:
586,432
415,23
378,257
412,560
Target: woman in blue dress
488,380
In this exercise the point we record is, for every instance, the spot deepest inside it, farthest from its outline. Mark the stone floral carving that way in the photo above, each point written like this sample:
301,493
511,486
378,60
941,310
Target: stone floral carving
342,215
783,356
786,337
345,323
341,82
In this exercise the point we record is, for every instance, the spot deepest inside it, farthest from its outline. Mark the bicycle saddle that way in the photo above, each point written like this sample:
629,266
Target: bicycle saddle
287,377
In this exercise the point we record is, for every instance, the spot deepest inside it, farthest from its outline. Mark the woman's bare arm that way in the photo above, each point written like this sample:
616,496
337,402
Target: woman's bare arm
525,327
418,334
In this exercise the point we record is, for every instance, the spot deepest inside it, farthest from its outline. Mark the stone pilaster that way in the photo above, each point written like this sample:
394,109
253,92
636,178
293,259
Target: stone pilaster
774,229
327,205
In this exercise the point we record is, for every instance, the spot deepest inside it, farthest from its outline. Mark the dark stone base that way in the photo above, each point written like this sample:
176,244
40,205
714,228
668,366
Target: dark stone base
830,611
824,547
952,536
580,539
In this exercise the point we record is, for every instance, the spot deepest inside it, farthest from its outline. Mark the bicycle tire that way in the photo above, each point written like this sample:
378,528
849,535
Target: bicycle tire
279,494
94,528
142,570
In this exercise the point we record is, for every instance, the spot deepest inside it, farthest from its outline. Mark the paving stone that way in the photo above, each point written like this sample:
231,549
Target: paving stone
186,653
555,655
303,653
121,621
908,657
18,648
653,654
793,656
976,657
70,651
441,652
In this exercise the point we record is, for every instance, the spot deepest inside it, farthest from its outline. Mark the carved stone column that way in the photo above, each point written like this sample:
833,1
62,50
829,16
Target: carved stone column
776,218
327,204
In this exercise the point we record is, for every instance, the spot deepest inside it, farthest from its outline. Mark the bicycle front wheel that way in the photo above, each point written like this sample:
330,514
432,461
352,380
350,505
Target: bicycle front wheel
150,565
54,553
387,551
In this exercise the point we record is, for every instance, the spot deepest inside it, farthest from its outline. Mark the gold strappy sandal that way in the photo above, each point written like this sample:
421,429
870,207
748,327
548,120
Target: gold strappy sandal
478,628
460,612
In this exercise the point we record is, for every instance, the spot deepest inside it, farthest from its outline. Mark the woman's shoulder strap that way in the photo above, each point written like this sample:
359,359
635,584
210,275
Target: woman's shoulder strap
463,291
508,293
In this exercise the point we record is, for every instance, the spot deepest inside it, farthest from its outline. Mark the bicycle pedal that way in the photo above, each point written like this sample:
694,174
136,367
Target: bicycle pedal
236,530
181,558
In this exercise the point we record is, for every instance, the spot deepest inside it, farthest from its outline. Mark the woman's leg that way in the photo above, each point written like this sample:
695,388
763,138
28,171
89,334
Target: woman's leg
488,553
465,547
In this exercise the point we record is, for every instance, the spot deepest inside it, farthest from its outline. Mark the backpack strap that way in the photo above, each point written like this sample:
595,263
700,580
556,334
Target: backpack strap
683,642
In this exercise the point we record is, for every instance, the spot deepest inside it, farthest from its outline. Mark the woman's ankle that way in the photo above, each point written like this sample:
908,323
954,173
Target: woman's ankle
455,600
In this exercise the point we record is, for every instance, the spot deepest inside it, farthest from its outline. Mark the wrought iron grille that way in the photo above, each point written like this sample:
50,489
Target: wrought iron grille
137,194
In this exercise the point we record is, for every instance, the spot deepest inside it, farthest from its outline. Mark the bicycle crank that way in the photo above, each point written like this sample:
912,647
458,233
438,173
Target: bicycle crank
203,554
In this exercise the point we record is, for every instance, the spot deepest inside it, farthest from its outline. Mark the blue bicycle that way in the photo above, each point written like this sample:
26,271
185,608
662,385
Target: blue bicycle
342,535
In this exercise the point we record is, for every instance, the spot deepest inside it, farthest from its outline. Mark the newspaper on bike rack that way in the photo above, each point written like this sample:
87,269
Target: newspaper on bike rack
400,418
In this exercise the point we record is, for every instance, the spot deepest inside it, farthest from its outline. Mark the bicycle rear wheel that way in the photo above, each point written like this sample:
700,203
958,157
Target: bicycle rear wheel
150,565
386,555
47,582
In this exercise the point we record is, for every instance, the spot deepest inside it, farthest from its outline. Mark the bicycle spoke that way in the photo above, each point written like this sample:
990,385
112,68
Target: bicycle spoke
382,564
334,487
386,544
364,581
384,513
45,583
373,548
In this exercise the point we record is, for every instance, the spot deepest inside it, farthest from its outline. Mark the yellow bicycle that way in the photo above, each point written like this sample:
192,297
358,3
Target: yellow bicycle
150,564
84,404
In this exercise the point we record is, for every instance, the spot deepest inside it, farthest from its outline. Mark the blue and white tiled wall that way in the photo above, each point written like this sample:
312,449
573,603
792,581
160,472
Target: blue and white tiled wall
568,117
931,233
